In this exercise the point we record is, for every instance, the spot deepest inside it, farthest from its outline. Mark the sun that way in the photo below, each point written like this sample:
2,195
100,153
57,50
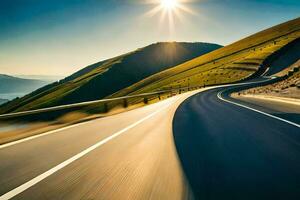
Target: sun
171,12
169,4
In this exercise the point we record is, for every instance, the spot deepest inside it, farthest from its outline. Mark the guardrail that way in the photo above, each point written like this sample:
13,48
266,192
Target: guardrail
240,88
102,105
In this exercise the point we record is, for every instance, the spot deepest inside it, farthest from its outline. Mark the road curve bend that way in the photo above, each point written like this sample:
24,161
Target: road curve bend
231,151
226,152
125,156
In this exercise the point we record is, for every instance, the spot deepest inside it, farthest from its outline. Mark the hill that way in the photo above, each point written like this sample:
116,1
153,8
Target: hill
11,86
288,87
107,77
243,59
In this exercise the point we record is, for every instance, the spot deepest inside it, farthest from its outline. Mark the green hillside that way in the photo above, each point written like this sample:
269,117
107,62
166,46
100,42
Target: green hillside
231,63
107,77
150,69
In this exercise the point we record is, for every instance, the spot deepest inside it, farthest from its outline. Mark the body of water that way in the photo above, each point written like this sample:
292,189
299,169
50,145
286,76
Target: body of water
11,96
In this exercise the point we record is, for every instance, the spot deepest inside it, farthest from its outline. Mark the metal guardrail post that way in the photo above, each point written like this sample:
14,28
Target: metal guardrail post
103,102
125,103
105,107
145,100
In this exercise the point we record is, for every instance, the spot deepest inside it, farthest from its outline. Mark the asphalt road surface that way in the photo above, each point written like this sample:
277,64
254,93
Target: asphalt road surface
126,156
280,109
214,150
231,152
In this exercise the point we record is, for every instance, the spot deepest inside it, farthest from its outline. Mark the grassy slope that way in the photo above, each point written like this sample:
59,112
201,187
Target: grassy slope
287,56
228,64
107,77
289,87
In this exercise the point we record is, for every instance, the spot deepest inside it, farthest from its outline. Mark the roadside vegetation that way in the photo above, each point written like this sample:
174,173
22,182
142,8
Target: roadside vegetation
288,88
137,73
239,61
231,63
107,77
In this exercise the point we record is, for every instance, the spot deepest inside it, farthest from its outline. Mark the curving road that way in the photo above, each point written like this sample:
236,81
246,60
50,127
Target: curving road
229,151
217,150
126,156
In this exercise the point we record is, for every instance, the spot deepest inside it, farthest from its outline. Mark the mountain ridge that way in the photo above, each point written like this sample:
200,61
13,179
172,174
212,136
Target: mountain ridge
106,77
14,85
232,63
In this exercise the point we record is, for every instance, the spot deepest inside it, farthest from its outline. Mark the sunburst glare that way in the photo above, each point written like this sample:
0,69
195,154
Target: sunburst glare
170,11
169,4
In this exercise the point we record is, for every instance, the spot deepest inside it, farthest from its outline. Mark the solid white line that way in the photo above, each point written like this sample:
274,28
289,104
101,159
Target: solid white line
40,135
275,99
41,177
261,112
266,71
72,126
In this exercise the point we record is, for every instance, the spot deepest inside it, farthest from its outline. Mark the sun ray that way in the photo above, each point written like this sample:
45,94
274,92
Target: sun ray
169,4
186,9
179,16
163,16
153,11
170,12
171,23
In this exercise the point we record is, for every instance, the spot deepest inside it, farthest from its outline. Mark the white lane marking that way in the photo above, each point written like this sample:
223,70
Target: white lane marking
2,146
266,71
275,99
41,177
72,126
261,112
40,135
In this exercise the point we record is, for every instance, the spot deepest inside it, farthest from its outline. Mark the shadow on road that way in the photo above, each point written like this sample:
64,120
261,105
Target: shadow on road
229,152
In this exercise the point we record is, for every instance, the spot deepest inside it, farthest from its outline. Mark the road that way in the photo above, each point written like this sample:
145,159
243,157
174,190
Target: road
229,151
281,108
187,147
126,156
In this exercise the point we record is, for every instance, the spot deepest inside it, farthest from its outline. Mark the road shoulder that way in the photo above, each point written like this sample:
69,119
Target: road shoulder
286,108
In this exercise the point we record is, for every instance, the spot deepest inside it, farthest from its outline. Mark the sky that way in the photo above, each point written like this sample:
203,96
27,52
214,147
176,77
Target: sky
59,37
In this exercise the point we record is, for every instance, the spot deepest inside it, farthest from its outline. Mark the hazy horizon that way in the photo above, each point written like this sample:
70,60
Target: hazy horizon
60,37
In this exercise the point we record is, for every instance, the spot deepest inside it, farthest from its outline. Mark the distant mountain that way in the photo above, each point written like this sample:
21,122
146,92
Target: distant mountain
48,78
107,77
11,87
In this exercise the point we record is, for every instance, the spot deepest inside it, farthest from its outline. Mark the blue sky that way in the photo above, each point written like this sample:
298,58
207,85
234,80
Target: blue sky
58,37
